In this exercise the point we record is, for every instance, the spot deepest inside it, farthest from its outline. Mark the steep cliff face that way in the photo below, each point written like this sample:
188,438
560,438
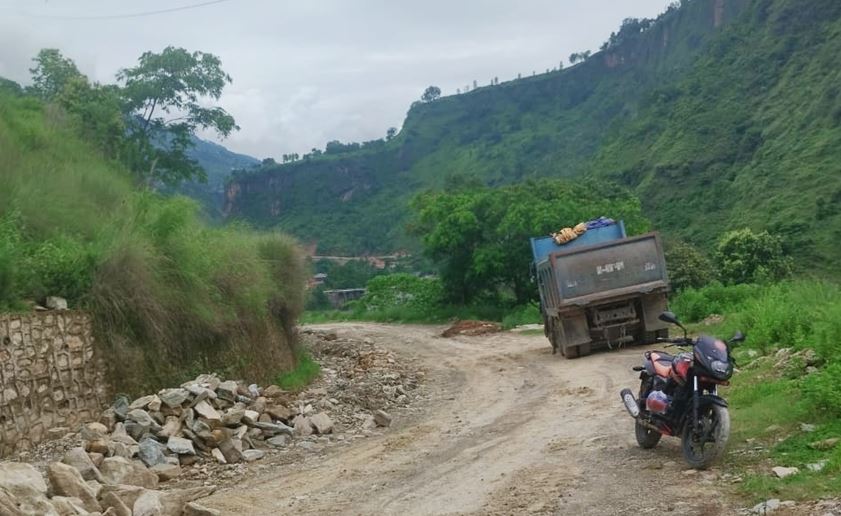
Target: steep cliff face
688,110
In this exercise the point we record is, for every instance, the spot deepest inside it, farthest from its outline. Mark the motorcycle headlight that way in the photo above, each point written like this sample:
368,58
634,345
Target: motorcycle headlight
720,367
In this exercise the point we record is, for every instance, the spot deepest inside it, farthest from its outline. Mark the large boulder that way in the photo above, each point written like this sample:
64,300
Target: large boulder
23,491
21,480
67,481
119,470
79,459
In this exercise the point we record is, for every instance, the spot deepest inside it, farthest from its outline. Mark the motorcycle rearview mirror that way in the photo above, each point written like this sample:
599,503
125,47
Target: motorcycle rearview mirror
671,318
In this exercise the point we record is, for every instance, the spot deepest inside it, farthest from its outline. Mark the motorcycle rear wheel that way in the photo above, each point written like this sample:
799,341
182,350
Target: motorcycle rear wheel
716,423
646,437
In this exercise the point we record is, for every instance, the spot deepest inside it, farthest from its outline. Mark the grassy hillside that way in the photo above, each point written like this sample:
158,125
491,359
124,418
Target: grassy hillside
720,114
170,297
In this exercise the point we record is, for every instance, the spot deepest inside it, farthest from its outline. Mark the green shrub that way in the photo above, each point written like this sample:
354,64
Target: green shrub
821,388
61,266
693,305
527,314
743,256
403,293
688,268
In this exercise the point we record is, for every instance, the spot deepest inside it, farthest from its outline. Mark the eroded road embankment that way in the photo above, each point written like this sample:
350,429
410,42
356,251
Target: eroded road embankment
508,429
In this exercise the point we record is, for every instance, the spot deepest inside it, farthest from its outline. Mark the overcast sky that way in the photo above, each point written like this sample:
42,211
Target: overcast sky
309,71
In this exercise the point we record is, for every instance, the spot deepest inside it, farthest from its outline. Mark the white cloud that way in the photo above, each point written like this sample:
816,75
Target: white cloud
306,72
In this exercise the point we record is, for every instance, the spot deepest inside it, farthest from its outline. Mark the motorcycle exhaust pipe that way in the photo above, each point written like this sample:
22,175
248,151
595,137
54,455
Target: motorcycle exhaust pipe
630,403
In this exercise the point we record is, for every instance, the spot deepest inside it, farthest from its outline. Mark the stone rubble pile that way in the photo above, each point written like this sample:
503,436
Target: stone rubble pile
124,463
118,488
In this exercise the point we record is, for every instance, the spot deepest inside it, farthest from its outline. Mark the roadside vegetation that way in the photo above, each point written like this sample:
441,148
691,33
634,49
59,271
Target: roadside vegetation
80,219
785,398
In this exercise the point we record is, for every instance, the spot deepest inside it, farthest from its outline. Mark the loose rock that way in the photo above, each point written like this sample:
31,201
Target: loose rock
151,452
825,444
252,455
119,470
180,446
382,418
67,481
166,471
783,472
194,509
322,423
79,459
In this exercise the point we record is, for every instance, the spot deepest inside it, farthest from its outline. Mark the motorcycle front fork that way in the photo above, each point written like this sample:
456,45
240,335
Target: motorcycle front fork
696,396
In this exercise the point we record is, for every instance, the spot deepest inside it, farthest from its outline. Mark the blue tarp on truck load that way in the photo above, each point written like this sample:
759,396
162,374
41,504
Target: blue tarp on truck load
542,247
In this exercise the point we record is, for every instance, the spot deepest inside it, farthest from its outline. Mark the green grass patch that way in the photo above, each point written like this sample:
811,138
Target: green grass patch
772,395
167,292
304,373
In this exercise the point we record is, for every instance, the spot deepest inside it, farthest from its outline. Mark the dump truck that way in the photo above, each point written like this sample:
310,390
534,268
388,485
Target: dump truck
601,290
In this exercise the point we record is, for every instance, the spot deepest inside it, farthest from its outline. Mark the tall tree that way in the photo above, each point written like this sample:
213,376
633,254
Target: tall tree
52,73
431,94
164,95
390,133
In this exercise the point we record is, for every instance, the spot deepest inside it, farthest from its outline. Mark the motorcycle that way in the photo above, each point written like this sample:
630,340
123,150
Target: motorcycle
678,395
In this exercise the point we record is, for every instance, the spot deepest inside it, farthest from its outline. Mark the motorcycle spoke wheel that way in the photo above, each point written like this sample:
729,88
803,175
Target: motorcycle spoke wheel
702,448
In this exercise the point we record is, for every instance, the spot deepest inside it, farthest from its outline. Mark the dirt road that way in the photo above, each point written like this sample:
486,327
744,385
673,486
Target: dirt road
511,429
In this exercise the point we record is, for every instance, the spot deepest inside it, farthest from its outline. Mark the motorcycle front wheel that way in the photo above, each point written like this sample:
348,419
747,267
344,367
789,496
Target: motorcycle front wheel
704,445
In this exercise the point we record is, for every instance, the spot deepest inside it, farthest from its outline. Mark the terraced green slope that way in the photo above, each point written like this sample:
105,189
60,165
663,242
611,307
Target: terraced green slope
722,113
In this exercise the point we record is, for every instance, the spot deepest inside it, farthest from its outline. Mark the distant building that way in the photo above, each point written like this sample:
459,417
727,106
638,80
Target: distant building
338,298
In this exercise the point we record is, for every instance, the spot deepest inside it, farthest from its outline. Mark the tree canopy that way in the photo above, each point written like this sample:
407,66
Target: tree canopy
431,94
162,95
52,73
479,236
149,120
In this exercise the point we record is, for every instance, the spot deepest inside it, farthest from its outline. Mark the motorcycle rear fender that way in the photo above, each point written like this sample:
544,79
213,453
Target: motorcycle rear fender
711,399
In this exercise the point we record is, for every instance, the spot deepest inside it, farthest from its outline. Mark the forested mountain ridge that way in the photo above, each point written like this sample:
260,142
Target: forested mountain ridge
218,162
720,114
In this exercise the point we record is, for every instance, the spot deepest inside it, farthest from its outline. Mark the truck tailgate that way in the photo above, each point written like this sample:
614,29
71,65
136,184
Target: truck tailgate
614,267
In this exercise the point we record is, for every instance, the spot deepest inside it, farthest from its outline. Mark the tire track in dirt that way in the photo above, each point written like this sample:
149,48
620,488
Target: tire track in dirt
511,429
